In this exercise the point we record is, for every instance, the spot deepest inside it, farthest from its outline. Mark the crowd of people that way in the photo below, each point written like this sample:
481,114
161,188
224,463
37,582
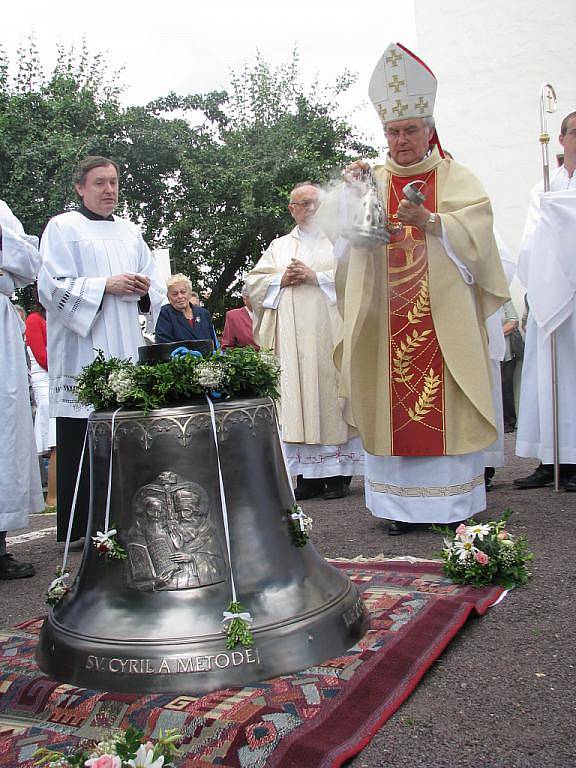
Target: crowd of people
397,354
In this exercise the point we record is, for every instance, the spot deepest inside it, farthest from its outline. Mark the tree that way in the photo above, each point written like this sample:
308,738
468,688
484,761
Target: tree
207,175
269,133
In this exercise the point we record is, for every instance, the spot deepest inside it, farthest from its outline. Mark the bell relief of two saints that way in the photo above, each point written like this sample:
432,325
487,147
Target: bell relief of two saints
172,543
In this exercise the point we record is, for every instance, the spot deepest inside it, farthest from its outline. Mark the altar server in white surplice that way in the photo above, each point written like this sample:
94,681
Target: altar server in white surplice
20,486
294,303
97,275
547,267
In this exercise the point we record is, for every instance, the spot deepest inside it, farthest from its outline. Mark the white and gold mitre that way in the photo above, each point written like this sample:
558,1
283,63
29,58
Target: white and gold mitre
402,86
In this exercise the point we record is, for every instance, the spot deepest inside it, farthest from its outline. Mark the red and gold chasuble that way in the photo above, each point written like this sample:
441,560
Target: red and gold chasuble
416,363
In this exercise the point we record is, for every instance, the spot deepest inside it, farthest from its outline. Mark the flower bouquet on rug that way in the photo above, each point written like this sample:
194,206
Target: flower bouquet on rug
485,553
121,749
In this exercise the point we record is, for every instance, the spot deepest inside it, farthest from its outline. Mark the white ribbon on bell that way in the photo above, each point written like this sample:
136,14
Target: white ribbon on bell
244,616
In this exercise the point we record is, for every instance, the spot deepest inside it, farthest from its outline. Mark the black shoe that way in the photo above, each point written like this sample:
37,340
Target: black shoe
335,487
541,477
308,488
12,569
397,528
489,473
346,479
570,484
336,492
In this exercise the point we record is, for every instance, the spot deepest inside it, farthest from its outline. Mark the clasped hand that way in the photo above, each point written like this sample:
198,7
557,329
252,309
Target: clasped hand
128,283
298,273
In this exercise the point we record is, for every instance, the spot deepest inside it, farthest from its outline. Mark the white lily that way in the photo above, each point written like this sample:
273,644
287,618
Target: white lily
145,759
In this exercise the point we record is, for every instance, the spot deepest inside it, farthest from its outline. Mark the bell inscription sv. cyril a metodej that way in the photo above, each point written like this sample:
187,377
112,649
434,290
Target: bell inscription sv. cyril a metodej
153,621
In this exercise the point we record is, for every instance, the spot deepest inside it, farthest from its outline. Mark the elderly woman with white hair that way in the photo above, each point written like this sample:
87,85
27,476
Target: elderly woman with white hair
181,320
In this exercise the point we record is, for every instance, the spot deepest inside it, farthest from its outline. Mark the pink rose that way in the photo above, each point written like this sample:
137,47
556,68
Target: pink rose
503,535
461,528
104,761
481,557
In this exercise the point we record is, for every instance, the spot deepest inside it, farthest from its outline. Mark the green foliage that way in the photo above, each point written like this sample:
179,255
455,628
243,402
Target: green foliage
485,553
238,629
241,372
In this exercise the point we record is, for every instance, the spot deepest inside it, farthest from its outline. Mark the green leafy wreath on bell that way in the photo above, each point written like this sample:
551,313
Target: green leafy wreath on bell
236,373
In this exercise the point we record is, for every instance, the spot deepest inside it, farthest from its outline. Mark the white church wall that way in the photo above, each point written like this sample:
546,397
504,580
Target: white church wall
490,59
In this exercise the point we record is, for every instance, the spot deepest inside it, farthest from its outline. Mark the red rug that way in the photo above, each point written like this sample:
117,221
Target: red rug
317,718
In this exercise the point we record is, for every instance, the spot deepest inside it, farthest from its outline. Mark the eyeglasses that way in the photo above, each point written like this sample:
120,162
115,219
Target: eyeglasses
307,204
394,134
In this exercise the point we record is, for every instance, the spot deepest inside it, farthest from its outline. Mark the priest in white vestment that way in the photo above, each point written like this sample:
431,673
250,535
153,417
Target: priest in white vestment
547,268
416,372
294,302
20,485
96,277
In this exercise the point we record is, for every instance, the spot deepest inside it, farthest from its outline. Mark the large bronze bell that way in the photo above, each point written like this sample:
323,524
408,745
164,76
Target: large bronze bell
153,622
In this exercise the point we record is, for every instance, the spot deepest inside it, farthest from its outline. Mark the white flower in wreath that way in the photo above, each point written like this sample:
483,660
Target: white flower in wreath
269,358
145,758
121,383
210,375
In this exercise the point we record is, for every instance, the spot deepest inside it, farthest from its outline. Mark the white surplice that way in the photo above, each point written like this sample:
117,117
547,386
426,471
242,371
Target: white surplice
301,324
547,267
20,485
79,254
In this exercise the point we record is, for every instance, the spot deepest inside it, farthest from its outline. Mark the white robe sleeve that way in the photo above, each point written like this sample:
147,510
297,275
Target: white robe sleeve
74,299
19,256
467,276
326,284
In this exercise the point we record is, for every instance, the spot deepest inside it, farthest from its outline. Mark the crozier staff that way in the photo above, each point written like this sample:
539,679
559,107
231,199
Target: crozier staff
414,362
97,275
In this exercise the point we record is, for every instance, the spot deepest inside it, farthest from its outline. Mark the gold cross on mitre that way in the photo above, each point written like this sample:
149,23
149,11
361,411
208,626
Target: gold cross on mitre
399,108
396,83
382,112
421,105
394,57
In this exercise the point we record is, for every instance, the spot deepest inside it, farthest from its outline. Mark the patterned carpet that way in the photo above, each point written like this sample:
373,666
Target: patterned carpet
313,719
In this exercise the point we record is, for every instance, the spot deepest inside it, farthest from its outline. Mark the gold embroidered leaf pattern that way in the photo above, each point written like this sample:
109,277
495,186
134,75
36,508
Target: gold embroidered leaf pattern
404,354
423,405
422,304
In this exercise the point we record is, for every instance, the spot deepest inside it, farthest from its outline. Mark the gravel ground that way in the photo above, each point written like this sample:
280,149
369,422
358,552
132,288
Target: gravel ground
502,695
